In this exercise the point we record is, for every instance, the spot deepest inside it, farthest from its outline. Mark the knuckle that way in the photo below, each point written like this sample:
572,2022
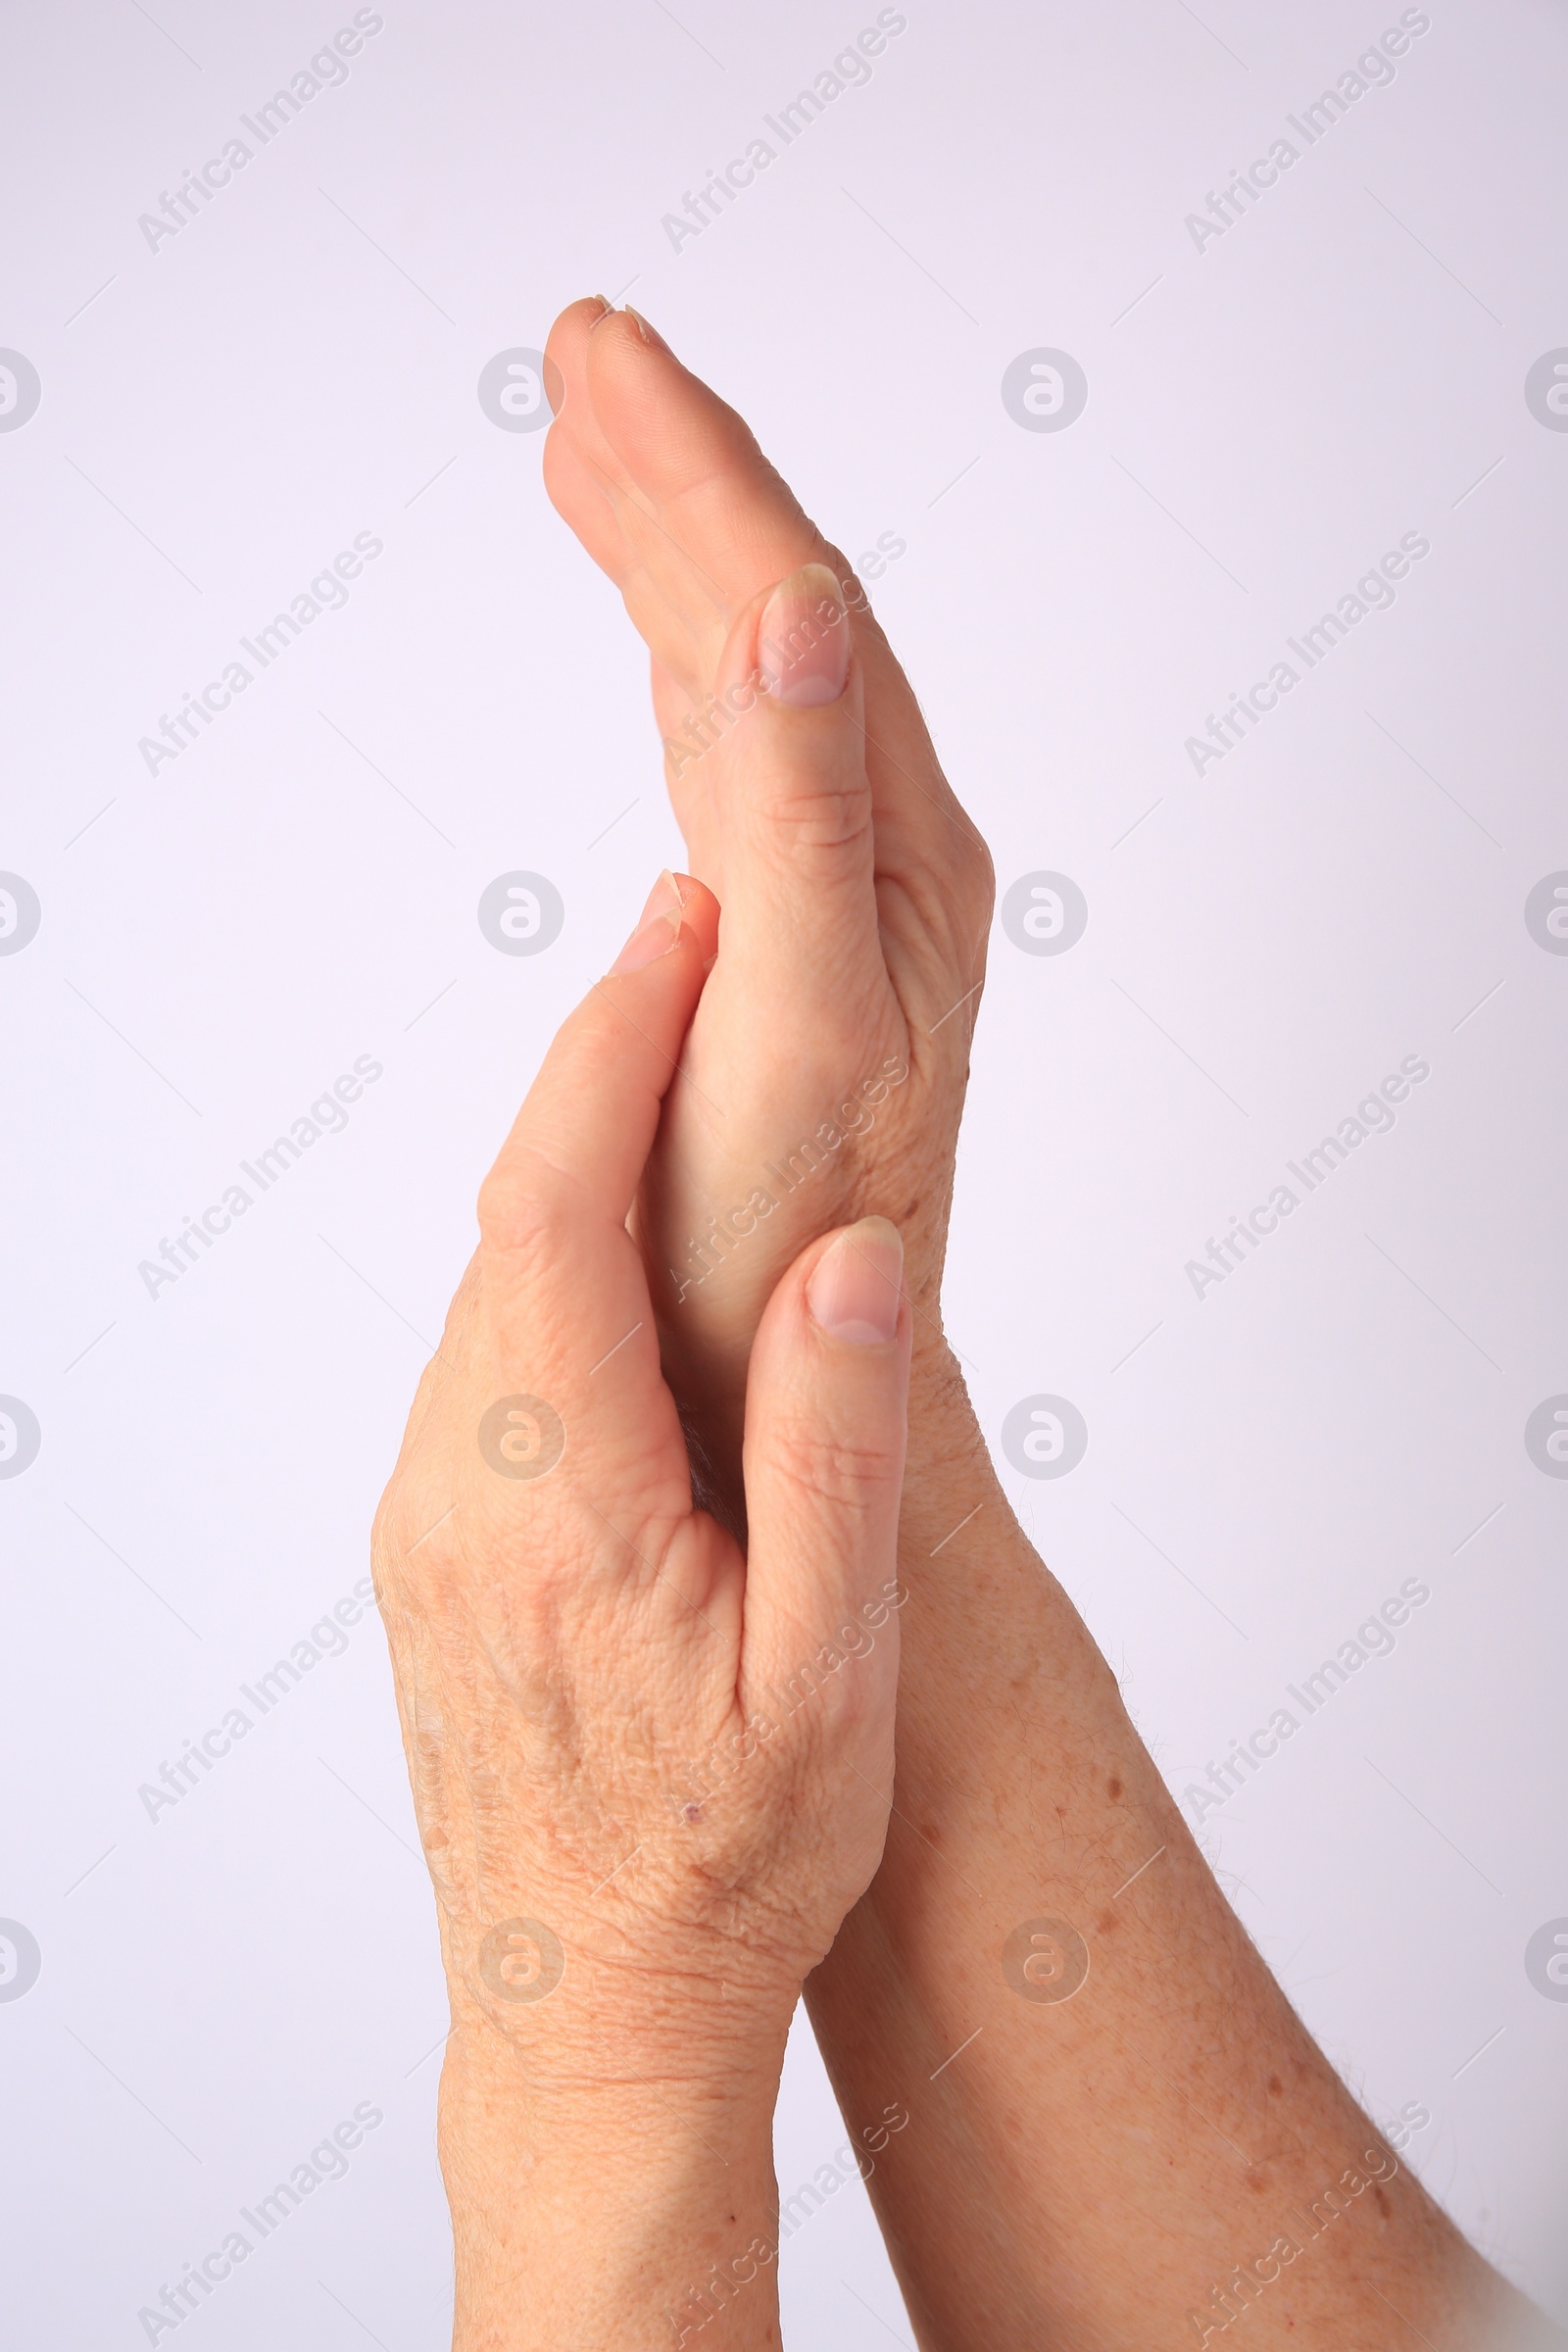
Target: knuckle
826,1467
817,817
403,1540
968,879
522,1210
977,876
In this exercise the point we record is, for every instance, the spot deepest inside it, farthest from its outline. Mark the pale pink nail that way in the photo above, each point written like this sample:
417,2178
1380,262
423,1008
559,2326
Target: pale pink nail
856,1285
803,648
648,943
649,334
664,898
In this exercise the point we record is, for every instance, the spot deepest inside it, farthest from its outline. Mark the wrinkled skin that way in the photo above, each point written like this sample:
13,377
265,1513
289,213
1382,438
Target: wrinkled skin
855,890
594,1685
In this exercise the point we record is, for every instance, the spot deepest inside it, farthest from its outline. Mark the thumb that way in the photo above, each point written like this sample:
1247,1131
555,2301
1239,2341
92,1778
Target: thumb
787,796
825,1408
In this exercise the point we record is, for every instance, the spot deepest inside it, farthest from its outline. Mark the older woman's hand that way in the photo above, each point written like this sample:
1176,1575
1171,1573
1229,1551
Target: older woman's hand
828,1057
651,1775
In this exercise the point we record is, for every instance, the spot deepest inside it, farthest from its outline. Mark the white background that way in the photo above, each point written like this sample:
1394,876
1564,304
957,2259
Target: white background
221,940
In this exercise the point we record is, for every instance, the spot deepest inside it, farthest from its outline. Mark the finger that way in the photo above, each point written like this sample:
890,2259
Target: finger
579,497
571,1163
711,523
789,802
708,520
700,913
695,462
589,489
566,384
825,1406
592,491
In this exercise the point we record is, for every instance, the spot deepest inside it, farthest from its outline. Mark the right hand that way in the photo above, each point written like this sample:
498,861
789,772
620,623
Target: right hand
856,892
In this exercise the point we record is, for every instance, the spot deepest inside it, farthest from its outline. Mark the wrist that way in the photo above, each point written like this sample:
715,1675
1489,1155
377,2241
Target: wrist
607,2040
949,1473
978,1590
622,2209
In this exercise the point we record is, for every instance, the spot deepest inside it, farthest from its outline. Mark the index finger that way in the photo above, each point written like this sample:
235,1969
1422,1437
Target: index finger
576,1151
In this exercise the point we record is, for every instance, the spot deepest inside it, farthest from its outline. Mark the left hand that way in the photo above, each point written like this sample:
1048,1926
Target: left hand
651,1775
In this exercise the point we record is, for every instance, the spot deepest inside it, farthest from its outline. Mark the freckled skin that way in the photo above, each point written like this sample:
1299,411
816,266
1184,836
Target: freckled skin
567,1642
1023,1789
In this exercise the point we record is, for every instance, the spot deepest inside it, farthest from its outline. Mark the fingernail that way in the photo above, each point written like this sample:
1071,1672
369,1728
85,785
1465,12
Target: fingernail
856,1285
804,639
652,939
649,334
664,898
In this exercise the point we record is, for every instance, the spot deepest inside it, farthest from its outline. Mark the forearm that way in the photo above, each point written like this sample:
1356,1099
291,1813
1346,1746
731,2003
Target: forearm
1095,2167
626,2211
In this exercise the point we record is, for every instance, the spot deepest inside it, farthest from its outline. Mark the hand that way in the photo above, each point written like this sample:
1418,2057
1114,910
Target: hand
1176,2082
650,1774
826,1065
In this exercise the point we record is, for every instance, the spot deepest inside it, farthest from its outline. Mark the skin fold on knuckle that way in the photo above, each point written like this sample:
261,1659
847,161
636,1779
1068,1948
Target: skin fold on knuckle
436,1381
825,811
527,1206
743,1894
415,1497
831,1472
941,915
419,1562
